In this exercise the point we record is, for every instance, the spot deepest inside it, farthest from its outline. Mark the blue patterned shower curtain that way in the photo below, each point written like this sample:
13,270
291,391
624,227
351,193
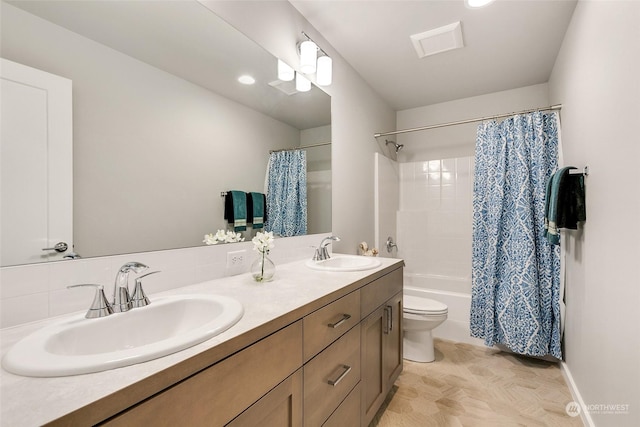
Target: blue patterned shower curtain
516,273
287,193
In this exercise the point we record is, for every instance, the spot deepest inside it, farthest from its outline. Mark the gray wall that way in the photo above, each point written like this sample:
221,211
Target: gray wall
151,151
456,141
596,78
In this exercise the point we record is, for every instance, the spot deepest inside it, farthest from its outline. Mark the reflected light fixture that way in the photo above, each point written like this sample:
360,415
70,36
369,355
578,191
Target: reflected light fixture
477,3
285,73
302,83
246,79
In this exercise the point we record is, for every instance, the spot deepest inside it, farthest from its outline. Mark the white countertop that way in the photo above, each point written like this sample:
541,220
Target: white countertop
26,401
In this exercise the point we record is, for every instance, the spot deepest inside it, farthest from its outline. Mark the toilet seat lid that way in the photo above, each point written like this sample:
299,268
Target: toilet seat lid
419,305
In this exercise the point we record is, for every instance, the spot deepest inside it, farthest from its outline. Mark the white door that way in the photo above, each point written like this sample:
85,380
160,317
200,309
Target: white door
36,164
387,202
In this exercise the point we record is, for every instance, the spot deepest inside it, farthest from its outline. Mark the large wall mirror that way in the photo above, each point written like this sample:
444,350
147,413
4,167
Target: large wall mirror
161,125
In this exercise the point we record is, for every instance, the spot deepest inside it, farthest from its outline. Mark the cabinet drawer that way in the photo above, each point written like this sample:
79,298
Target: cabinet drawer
324,326
281,407
376,293
218,394
348,413
330,376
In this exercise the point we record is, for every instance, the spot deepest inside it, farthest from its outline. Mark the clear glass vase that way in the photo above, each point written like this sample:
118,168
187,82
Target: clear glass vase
262,269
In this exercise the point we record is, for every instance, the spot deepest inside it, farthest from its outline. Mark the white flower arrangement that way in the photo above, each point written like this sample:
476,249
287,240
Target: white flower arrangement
262,268
223,236
263,242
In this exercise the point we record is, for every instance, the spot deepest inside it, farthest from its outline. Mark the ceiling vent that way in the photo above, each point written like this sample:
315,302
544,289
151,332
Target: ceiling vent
289,88
438,40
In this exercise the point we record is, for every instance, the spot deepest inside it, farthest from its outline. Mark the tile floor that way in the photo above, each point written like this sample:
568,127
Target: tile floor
476,386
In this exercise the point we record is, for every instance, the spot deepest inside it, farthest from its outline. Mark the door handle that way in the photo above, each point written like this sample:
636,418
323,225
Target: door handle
388,312
59,247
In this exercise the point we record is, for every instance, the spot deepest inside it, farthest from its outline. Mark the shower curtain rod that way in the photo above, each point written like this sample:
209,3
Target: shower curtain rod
304,147
462,122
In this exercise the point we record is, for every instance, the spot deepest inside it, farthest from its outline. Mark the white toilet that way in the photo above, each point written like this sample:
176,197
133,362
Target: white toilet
420,316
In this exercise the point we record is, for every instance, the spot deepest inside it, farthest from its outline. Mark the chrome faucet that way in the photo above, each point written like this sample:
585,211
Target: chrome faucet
321,251
100,307
121,298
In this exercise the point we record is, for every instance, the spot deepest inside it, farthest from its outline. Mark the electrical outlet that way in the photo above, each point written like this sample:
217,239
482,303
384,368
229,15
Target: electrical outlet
236,262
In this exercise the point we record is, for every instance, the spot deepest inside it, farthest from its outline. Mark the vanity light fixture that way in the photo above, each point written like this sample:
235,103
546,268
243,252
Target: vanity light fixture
324,71
308,56
302,83
310,62
285,73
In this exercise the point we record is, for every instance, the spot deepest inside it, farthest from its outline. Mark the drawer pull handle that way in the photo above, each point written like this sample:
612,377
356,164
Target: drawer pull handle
346,370
345,317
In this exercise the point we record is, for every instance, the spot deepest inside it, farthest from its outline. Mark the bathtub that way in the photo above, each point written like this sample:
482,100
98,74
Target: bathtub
455,292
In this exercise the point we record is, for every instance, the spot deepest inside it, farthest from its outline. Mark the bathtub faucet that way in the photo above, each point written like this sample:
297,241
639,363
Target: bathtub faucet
390,244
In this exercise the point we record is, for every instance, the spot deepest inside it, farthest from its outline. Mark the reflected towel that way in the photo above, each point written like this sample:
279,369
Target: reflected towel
235,209
256,203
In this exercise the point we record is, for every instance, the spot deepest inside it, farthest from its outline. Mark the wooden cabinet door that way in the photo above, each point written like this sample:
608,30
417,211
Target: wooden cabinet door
392,346
381,353
372,342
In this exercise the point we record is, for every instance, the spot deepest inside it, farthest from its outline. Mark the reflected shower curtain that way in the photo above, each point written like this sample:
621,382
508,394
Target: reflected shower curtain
287,193
516,273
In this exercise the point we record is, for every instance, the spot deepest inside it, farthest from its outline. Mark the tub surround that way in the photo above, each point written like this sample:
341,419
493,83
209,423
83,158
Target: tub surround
295,292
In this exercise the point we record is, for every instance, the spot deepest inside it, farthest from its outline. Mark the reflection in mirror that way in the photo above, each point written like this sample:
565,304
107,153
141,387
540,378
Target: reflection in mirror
161,126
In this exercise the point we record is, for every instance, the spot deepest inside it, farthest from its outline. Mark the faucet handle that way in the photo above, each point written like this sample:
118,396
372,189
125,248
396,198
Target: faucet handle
316,253
139,298
100,307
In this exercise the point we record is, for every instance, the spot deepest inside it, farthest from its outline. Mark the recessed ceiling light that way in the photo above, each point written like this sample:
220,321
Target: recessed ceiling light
478,3
246,80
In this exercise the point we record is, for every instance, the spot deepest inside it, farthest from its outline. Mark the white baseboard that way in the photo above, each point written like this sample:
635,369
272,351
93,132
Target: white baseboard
577,397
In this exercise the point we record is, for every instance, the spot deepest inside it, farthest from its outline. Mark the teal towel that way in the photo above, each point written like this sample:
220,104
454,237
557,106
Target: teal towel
552,232
255,207
235,209
571,201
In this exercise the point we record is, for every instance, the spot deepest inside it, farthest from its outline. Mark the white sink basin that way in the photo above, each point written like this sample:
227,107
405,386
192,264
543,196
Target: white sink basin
345,263
78,346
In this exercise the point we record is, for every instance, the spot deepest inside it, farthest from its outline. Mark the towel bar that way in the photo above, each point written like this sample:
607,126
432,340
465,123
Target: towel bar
584,171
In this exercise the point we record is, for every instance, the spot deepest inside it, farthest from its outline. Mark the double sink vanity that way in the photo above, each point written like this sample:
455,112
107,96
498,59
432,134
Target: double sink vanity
321,344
